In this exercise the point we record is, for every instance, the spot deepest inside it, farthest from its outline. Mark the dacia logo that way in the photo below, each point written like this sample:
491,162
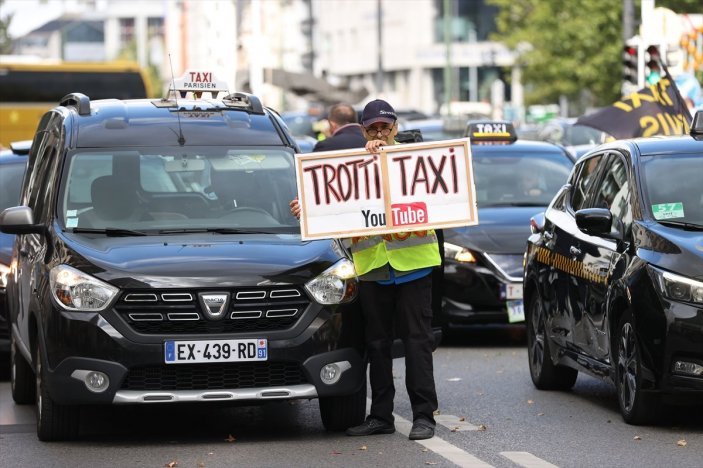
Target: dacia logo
214,305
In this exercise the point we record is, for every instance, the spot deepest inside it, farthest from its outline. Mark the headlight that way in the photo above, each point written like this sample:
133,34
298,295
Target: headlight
75,290
676,287
459,254
4,271
335,285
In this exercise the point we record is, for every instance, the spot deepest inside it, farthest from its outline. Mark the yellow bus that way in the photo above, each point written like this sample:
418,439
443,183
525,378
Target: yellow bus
28,88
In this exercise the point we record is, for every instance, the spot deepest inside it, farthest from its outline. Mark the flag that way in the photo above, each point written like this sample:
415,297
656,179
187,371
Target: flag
654,110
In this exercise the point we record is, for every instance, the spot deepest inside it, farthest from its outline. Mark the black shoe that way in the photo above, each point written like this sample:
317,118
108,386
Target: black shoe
370,427
421,430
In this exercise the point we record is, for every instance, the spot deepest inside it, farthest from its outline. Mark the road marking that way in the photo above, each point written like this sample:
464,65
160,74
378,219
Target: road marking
439,446
455,423
527,460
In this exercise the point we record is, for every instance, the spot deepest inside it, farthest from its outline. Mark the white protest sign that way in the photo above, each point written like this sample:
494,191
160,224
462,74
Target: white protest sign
408,187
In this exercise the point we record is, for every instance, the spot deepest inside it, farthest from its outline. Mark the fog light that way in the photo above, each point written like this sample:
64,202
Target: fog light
688,368
331,373
96,381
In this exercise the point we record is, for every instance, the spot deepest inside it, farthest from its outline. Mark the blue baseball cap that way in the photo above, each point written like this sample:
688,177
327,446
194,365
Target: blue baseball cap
378,110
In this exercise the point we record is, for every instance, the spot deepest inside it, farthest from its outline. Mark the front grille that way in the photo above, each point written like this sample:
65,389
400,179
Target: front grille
178,312
216,376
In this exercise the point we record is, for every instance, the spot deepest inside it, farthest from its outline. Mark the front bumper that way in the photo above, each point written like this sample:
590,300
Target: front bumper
474,295
76,343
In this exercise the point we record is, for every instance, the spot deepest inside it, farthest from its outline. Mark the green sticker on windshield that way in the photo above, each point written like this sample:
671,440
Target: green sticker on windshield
668,210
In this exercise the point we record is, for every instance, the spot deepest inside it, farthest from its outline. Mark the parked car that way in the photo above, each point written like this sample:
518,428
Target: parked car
614,275
578,139
436,129
158,263
12,166
514,180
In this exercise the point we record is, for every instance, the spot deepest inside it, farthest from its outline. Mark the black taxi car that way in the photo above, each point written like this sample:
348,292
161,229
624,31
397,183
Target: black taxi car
514,180
614,275
12,165
158,263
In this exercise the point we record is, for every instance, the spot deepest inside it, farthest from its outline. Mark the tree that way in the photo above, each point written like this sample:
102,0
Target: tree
571,48
566,48
5,39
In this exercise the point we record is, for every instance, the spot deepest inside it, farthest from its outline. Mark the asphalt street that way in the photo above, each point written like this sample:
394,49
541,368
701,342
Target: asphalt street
490,415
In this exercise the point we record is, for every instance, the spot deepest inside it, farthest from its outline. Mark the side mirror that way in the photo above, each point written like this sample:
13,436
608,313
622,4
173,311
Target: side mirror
537,223
19,220
595,221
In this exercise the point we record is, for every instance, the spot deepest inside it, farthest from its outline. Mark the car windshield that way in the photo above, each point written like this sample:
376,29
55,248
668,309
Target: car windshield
10,183
673,185
519,179
179,190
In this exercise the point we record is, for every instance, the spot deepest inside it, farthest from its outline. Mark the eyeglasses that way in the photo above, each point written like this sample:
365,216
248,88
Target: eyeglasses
373,132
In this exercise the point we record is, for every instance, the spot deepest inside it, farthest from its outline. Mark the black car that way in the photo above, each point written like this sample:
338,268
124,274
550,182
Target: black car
158,262
12,166
614,275
483,264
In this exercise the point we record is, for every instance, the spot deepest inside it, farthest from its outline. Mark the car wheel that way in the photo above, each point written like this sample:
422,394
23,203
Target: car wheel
545,374
21,376
54,421
636,405
342,412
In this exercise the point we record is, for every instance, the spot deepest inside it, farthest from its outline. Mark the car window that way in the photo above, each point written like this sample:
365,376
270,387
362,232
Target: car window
673,186
172,188
11,175
584,180
613,191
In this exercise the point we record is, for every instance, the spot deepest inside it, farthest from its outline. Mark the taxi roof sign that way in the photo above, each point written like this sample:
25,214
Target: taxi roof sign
502,131
198,81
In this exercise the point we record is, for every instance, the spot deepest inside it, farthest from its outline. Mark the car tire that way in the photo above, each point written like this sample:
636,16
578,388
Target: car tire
54,422
341,412
545,374
21,376
636,406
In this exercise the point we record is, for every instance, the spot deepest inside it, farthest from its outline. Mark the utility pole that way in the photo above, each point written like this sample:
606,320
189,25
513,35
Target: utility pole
448,63
628,20
379,27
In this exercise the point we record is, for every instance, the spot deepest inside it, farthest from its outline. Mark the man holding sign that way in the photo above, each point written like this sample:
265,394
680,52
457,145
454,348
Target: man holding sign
396,294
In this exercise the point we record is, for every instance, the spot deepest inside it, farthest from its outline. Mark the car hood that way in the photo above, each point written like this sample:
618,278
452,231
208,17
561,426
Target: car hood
672,249
198,260
501,230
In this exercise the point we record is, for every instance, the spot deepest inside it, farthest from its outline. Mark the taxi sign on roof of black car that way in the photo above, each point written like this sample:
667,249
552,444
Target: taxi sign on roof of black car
491,132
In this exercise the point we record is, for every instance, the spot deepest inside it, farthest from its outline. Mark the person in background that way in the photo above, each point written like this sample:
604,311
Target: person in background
345,132
395,273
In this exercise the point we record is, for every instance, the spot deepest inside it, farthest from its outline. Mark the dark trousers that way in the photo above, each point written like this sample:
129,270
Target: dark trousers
407,309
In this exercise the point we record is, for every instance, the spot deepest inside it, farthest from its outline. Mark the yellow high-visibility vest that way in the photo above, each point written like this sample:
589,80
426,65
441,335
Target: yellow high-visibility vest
404,251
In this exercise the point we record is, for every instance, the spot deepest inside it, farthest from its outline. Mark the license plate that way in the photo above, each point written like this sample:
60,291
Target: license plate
194,352
513,291
516,311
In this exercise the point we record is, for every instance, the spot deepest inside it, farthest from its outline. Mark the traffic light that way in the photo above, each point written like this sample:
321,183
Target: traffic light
629,64
652,60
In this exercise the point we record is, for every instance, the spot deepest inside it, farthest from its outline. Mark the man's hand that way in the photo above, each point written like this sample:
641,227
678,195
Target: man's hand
295,207
373,146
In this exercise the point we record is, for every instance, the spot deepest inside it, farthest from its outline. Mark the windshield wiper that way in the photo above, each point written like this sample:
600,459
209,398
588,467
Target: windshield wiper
116,232
215,230
682,225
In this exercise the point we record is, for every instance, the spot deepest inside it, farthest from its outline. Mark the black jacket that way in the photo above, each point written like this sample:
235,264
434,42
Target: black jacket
347,137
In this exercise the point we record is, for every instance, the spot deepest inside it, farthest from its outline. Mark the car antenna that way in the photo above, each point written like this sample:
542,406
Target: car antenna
181,138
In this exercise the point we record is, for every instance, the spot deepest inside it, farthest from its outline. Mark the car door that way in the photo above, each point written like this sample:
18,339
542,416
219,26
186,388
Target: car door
32,247
567,257
601,254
